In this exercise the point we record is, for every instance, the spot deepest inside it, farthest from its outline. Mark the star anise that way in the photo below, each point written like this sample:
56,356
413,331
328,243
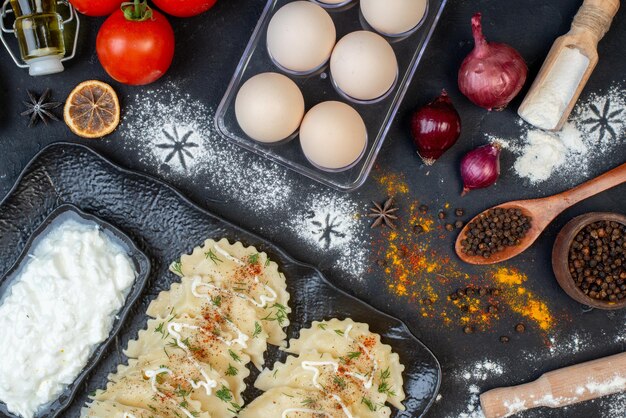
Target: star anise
384,214
40,109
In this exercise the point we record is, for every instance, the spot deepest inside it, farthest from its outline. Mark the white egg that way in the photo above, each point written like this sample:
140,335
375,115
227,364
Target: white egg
333,136
363,65
393,17
301,36
269,107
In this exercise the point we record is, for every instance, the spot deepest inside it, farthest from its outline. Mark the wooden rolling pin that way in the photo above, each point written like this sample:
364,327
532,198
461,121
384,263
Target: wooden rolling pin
567,68
559,388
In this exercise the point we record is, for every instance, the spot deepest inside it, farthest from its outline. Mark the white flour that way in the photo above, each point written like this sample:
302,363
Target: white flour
470,377
174,135
544,108
482,370
597,127
333,224
616,384
614,406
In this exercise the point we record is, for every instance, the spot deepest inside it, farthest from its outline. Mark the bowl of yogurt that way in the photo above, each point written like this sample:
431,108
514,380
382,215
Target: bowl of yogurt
61,304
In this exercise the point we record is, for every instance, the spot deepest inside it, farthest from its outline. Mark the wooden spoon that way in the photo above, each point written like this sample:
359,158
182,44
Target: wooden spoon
543,211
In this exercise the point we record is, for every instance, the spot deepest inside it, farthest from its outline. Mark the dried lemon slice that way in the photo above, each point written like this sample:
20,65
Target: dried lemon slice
92,109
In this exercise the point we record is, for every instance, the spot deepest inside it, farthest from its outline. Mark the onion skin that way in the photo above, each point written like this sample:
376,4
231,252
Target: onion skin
480,168
435,128
493,73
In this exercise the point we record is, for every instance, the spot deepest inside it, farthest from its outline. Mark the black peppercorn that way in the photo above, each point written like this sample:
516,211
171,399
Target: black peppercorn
495,230
468,329
597,262
520,328
504,339
459,212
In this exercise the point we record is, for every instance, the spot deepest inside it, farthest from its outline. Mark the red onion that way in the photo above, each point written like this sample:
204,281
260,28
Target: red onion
493,73
480,168
435,128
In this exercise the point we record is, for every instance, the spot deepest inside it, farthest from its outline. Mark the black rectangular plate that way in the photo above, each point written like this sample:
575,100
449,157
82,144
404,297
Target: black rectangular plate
165,224
142,267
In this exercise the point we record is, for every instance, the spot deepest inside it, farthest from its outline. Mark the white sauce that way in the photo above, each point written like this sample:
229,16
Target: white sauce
225,253
60,307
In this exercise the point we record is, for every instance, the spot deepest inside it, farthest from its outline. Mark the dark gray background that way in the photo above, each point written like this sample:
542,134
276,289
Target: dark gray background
208,49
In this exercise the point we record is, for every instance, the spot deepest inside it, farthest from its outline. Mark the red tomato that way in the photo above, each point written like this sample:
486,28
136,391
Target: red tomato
184,8
96,7
135,52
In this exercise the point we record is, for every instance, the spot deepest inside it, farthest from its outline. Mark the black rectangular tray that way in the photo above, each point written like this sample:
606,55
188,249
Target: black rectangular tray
165,224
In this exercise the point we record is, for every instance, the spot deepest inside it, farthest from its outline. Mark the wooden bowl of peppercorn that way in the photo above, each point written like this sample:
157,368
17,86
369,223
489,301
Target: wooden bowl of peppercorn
589,260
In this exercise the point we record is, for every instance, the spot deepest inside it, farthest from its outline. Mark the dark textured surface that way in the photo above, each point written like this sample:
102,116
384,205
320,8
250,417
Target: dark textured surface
166,225
60,214
209,48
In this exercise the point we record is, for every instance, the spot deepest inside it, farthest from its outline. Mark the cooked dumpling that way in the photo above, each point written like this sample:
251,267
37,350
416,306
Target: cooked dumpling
179,375
139,393
295,403
343,340
230,362
315,371
112,409
248,274
227,317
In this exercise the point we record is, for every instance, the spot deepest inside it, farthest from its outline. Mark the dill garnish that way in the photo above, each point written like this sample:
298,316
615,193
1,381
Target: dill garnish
370,405
384,386
257,330
210,255
232,370
234,356
177,267
224,394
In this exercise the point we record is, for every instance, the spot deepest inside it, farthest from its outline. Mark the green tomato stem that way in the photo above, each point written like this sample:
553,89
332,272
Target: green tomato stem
137,11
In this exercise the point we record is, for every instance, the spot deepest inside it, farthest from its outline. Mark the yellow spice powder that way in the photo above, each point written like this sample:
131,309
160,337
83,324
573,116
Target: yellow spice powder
521,300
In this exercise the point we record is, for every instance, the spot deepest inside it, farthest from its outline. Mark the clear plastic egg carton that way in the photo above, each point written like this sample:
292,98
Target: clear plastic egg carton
318,87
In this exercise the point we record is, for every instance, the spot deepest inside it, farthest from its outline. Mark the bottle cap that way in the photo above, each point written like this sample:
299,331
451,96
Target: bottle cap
45,66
